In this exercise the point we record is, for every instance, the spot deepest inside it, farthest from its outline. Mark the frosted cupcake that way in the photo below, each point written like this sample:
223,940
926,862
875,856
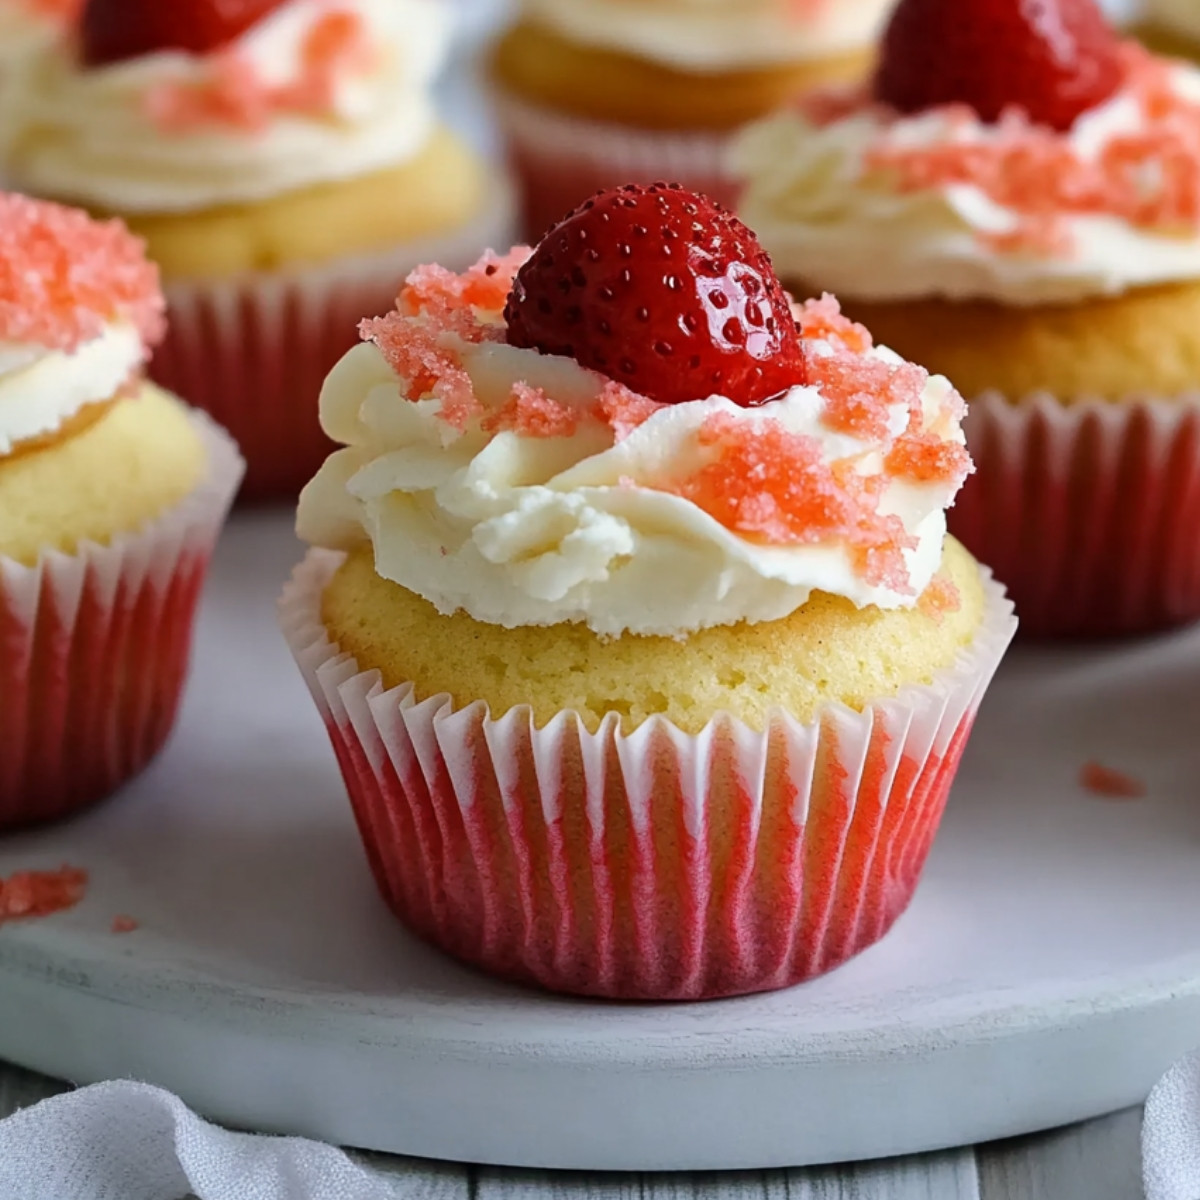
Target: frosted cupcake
599,91
1027,224
647,694
284,164
112,494
1171,27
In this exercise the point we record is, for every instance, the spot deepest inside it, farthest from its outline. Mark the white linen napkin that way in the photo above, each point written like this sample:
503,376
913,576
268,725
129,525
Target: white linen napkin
130,1141
1171,1134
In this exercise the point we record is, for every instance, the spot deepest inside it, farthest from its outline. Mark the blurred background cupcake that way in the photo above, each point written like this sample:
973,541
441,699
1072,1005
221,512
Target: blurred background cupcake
650,694
284,162
597,92
1016,204
112,494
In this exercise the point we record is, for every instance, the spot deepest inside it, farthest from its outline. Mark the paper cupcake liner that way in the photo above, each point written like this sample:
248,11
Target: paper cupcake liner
655,865
1089,511
253,351
561,160
94,649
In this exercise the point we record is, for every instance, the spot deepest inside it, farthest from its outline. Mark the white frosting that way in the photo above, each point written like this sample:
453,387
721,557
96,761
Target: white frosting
517,530
86,135
831,220
716,35
40,389
1181,17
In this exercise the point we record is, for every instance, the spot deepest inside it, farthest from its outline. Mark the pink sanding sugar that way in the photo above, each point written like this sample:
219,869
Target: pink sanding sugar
64,276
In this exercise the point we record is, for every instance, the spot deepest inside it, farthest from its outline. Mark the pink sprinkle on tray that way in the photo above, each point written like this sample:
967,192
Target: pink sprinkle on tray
124,924
30,894
63,276
1112,784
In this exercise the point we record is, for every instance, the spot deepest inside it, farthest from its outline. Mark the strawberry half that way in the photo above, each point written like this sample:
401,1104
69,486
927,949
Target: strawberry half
1053,58
664,291
114,30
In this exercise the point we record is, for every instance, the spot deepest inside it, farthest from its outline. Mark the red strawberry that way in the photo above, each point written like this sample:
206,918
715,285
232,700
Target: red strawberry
1053,58
113,30
664,291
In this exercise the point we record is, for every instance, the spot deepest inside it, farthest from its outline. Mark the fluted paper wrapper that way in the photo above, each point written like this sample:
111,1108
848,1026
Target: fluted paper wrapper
561,160
1089,512
94,650
254,350
655,865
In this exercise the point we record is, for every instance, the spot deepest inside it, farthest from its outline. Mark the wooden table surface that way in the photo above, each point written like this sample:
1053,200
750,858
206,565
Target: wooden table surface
1097,1161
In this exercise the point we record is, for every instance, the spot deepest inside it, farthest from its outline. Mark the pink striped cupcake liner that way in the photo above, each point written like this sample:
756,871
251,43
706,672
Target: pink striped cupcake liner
654,865
94,650
1089,512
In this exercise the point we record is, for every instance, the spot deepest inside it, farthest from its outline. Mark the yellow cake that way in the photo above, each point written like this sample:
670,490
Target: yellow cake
112,473
826,652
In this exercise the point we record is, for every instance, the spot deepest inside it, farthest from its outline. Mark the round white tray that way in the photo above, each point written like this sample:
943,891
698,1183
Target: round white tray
1048,971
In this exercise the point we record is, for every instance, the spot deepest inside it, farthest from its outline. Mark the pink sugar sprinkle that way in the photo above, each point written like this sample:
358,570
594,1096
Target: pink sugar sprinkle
529,411
927,458
234,94
29,894
823,320
428,369
124,924
624,410
1149,177
64,276
939,598
770,484
231,96
1110,783
454,302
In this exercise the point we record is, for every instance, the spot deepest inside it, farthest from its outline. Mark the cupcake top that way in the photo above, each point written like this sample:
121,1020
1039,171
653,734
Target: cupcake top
630,428
79,307
716,35
28,25
175,108
1019,178
1181,17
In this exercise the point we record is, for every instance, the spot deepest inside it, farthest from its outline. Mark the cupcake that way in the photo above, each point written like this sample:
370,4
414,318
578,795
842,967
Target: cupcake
647,694
112,494
283,163
1171,27
1027,224
594,92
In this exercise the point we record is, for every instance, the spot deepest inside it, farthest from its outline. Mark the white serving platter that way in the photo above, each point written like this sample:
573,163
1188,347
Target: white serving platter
1048,971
